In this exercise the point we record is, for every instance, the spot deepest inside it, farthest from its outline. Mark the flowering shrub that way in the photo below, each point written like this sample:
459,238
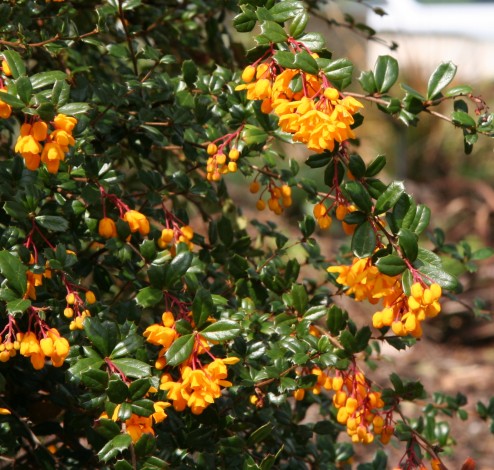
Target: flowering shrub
145,322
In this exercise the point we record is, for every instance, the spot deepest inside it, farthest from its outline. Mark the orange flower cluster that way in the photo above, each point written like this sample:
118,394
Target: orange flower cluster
137,425
402,313
78,307
317,115
34,280
280,197
56,143
365,281
175,234
138,222
51,345
198,385
405,314
359,407
220,162
5,109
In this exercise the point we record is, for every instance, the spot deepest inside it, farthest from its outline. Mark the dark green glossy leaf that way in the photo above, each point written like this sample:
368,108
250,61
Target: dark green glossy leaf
24,89
15,63
149,296
222,330
117,391
385,73
14,271
202,307
112,448
389,197
462,119
133,368
375,166
367,82
180,350
18,306
298,24
304,61
271,32
440,78
356,192
408,242
54,223
364,240
391,265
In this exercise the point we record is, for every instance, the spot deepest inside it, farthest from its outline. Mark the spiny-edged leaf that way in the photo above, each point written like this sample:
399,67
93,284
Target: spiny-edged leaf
339,69
440,78
412,92
367,82
112,448
15,63
143,407
348,341
253,135
149,296
428,257
14,271
222,330
260,433
18,306
285,59
389,197
180,350
102,335
439,276
139,388
133,368
305,62
408,242
189,72
271,32
202,307
385,73
42,79
85,364
95,379
54,223
283,11
298,24
117,391
364,240
391,265
356,192
312,41
245,21
129,345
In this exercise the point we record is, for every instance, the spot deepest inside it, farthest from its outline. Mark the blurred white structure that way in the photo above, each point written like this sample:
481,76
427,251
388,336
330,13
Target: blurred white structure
429,33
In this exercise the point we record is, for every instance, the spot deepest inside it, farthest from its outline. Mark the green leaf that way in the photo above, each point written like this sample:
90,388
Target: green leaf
143,407
299,22
339,70
285,59
117,391
260,434
253,135
375,166
440,78
439,276
482,253
459,90
43,79
24,89
389,197
271,32
129,345
11,100
189,72
54,223
356,192
95,379
417,219
103,336
391,265
15,63
18,306
139,388
112,448
367,82
133,368
245,21
313,41
283,11
149,296
318,160
357,166
202,307
14,271
364,240
408,242
299,298
180,350
385,73
462,119
222,330
305,62
72,109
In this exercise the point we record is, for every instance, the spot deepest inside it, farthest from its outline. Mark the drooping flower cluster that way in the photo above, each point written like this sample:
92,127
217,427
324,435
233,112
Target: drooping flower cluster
5,108
37,144
221,162
317,114
78,307
402,313
38,343
405,314
196,385
137,221
359,407
174,234
34,280
280,197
